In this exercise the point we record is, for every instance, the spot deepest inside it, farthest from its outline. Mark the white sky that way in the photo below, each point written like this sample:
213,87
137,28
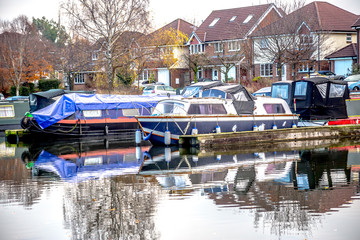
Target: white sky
163,11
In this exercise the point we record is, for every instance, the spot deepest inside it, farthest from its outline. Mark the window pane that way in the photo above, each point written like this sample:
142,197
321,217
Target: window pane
7,111
322,89
274,108
92,113
131,112
336,90
300,89
280,91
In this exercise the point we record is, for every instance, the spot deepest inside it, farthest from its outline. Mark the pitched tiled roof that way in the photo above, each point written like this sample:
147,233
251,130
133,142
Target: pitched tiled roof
225,29
333,18
179,25
318,16
357,23
348,51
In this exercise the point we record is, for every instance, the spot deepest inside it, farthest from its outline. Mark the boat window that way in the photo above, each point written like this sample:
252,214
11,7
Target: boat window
336,90
280,91
300,89
92,113
190,91
131,112
207,109
240,96
7,111
322,89
169,108
274,108
214,93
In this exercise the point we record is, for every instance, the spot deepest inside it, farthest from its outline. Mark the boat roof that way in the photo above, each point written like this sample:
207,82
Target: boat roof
68,104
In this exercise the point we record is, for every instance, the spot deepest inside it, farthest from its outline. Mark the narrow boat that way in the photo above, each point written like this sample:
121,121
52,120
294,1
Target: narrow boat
12,110
79,115
235,110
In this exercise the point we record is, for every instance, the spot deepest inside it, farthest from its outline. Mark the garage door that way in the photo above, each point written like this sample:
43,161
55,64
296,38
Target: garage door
163,76
343,67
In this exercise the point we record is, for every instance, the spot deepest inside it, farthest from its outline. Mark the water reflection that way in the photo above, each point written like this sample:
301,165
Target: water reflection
113,191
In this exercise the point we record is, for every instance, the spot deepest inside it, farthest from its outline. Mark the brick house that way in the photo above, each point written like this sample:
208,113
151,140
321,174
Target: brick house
325,27
166,63
223,39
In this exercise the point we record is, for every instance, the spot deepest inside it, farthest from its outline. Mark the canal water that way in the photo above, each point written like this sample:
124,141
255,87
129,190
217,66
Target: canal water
115,190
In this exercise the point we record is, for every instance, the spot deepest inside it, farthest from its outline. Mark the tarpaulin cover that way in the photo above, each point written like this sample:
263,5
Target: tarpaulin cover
68,104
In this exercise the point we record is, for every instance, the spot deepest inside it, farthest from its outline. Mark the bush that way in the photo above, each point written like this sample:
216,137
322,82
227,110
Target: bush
47,84
23,91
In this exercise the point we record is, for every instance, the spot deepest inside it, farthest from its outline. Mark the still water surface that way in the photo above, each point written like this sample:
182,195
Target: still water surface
108,190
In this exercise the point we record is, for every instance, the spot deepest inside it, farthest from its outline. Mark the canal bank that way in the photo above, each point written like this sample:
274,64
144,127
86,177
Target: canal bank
291,136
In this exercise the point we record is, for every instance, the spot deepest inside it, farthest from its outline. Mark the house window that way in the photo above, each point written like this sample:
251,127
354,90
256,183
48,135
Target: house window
145,75
79,78
304,68
264,43
233,18
248,18
266,70
306,39
218,47
214,22
234,45
94,56
348,38
197,48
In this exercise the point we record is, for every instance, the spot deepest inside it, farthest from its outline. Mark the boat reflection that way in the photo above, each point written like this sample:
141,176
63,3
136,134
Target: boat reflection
174,168
76,162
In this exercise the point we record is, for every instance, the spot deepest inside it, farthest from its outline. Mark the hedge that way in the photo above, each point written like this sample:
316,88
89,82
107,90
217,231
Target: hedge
47,84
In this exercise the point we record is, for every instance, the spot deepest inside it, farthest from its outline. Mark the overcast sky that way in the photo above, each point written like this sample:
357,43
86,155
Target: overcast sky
163,11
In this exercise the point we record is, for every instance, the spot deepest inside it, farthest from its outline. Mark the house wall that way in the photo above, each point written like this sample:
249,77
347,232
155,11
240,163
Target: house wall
178,77
334,42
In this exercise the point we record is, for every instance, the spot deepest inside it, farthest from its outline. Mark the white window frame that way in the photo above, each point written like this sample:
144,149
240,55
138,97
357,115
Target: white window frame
218,47
200,74
197,48
234,45
305,68
94,56
348,38
79,78
266,70
232,18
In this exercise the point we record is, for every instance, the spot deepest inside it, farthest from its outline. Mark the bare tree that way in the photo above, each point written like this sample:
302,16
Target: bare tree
23,54
106,20
290,40
195,62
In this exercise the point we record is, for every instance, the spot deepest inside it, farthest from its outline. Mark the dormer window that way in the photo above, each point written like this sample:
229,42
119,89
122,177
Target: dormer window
233,18
214,22
248,18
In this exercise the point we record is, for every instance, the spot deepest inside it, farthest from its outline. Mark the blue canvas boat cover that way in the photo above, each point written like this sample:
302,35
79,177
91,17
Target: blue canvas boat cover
68,104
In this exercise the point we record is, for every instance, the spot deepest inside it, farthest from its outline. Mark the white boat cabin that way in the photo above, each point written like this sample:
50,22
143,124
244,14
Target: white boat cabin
218,106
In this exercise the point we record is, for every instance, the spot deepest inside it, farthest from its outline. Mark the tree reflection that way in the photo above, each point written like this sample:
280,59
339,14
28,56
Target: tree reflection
117,208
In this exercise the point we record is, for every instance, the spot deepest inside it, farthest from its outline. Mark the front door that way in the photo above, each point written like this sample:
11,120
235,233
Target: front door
215,74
